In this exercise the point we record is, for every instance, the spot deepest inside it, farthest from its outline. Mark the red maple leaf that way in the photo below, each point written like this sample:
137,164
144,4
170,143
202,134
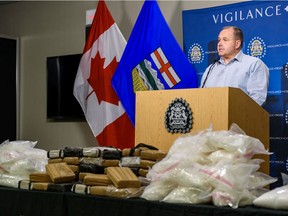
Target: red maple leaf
100,79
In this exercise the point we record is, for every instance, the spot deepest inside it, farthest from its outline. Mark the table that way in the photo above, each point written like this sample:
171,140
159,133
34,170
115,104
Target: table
18,202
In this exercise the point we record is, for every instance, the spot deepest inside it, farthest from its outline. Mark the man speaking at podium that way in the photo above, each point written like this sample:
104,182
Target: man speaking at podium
236,69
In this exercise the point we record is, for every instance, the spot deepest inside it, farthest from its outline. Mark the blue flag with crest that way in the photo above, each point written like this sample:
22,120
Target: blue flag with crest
152,60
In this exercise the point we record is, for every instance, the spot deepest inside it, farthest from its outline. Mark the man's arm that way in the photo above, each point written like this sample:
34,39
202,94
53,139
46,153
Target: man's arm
258,82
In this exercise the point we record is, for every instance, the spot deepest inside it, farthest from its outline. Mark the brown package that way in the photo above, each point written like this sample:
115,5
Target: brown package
82,175
123,177
143,172
155,155
72,160
110,163
60,172
128,151
74,168
40,177
42,186
99,190
111,191
55,160
145,164
97,179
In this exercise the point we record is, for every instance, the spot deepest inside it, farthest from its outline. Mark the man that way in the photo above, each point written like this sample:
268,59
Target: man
235,69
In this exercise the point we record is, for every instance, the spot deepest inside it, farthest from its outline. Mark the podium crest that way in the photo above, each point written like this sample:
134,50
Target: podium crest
178,117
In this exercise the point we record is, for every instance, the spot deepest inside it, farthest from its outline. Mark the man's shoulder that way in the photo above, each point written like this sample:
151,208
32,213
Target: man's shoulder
253,61
250,58
244,58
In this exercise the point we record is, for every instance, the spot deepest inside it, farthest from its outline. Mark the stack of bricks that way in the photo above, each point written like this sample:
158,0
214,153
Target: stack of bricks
116,182
127,179
58,177
104,171
141,158
69,166
86,160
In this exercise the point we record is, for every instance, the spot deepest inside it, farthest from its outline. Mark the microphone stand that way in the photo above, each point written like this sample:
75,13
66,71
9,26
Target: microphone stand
209,71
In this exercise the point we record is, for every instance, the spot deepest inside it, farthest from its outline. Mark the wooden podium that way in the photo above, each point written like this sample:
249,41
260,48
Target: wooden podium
217,106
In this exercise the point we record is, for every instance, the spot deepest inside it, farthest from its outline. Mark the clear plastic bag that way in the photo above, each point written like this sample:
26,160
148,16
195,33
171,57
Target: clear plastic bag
259,180
244,146
210,165
188,195
157,190
232,198
18,159
274,199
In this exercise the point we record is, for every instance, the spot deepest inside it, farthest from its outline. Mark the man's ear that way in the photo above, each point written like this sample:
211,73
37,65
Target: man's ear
238,44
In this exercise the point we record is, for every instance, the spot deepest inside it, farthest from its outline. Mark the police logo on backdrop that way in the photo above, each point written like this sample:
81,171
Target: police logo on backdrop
286,117
178,117
195,54
286,70
256,48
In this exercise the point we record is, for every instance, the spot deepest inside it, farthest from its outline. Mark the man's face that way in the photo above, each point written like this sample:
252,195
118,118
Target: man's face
228,46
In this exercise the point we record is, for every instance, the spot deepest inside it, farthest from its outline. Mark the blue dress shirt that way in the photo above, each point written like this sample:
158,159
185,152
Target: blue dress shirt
245,72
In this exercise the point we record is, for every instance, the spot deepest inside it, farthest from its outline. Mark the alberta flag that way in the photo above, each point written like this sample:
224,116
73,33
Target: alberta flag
152,60
93,89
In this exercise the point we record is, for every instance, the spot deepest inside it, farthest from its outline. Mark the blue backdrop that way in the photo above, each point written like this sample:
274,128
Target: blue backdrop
265,27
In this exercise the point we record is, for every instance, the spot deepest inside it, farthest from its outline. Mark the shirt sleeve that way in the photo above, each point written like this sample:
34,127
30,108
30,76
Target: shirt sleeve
257,85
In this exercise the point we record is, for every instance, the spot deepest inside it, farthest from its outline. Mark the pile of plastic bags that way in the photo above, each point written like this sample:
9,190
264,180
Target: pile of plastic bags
211,166
18,159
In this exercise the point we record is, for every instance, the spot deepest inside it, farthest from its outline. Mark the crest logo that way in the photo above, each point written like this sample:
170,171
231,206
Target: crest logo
256,48
195,54
178,117
286,69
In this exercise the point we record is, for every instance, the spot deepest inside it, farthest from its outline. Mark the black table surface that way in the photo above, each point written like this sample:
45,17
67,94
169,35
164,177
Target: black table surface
18,202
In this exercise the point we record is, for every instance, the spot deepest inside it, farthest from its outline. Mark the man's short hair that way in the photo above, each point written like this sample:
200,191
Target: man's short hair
238,34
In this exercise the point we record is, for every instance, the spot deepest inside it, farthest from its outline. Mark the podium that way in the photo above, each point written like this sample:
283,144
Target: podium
219,107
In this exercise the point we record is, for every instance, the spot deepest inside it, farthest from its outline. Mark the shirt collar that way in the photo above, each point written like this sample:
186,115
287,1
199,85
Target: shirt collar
238,57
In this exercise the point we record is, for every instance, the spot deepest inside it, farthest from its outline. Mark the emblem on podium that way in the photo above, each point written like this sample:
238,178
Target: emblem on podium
178,117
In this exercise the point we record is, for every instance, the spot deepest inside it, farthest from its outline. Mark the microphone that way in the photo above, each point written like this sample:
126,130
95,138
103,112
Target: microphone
209,71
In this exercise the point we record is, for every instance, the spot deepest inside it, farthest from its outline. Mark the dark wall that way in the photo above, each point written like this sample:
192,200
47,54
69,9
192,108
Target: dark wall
8,89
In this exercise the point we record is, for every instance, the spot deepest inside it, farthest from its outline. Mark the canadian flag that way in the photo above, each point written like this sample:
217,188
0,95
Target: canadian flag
93,89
